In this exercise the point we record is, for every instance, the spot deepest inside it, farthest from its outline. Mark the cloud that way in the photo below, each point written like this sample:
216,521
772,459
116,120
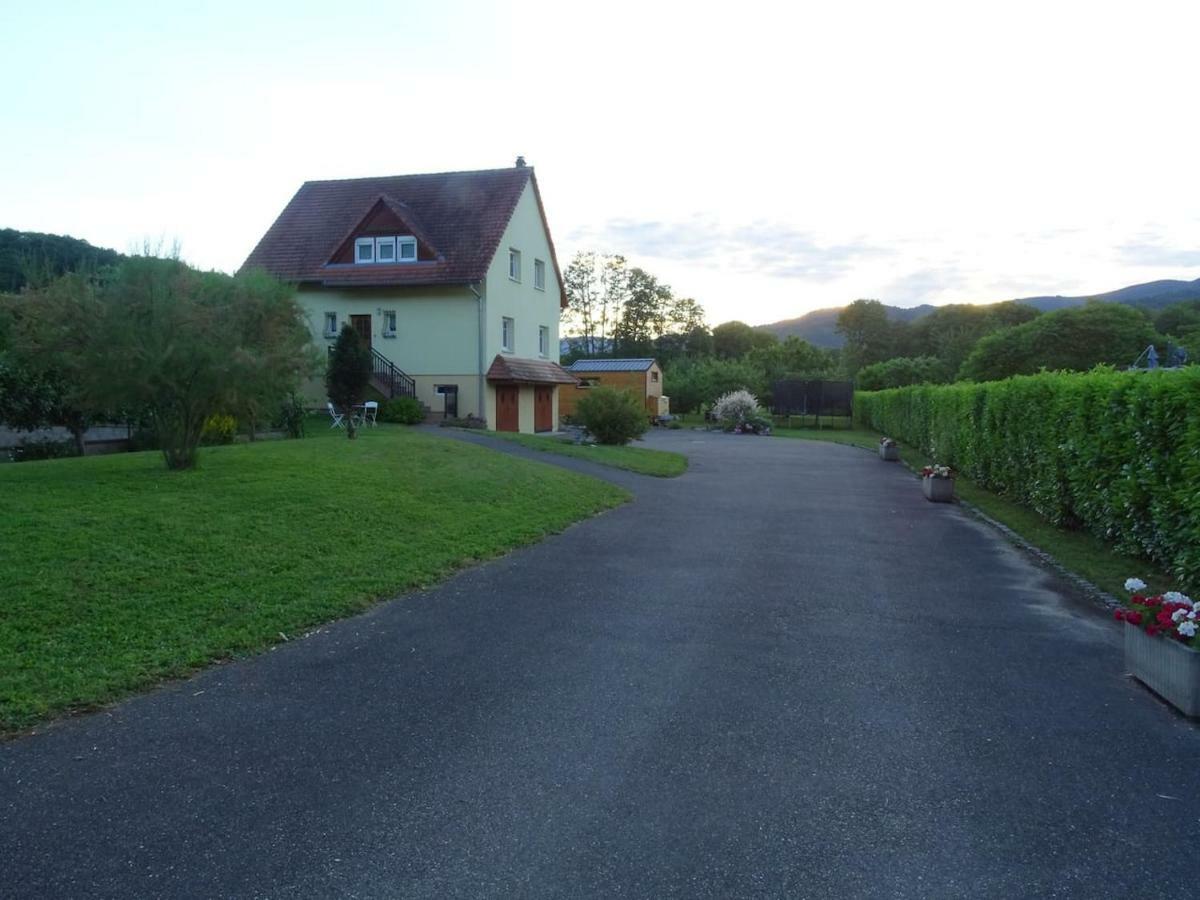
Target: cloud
764,248
924,286
1148,250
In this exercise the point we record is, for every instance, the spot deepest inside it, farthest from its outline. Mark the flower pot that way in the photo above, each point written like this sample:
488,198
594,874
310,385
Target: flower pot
1165,666
939,490
890,453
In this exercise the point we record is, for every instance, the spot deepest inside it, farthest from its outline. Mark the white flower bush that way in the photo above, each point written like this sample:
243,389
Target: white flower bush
735,407
1134,584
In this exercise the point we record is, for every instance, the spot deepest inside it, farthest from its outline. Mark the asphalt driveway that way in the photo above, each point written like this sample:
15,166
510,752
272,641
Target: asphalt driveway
784,674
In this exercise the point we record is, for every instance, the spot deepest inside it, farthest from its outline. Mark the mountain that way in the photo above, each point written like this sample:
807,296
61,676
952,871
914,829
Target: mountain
29,253
818,327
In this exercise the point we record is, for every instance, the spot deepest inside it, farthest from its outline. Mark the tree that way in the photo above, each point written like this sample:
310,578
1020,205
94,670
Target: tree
900,371
155,335
692,383
732,340
348,375
644,315
951,332
1075,339
581,282
596,288
867,333
46,380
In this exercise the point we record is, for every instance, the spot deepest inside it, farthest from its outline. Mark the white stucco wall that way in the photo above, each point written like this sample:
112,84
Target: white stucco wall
521,301
436,338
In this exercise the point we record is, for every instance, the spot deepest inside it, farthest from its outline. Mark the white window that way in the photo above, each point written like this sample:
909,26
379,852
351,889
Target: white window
330,324
514,264
539,274
653,375
507,333
544,340
389,249
389,323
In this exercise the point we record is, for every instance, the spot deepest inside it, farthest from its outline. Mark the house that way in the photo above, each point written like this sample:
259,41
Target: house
450,278
641,377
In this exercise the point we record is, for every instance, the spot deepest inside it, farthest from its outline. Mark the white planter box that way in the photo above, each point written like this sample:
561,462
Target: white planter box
891,454
939,490
1165,666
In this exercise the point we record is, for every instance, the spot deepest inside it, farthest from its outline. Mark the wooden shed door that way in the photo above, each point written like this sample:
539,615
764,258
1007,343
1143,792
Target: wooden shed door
543,409
507,414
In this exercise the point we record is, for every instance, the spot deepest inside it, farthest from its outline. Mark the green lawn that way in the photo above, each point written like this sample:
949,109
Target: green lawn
644,461
1078,551
119,573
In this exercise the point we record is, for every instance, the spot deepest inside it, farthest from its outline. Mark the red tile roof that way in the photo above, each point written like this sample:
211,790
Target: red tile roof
461,215
528,371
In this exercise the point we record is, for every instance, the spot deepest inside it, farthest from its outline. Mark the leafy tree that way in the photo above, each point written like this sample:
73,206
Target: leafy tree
49,333
597,287
611,416
692,383
581,282
155,335
951,332
900,371
867,333
1075,339
348,375
644,314
732,340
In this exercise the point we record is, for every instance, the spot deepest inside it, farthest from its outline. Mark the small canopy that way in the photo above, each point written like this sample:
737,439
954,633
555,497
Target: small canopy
514,370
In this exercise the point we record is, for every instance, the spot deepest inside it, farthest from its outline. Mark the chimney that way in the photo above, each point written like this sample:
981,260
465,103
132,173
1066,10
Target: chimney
520,162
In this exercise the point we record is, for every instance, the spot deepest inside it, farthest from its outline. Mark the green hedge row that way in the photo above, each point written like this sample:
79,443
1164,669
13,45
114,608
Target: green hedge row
1117,453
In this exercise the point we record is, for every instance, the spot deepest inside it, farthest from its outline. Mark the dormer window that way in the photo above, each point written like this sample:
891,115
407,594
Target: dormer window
386,250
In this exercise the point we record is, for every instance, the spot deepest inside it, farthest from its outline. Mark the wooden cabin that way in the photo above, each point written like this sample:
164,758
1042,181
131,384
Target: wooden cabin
641,377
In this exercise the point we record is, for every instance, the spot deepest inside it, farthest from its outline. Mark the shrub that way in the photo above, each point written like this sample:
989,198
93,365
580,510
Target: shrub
348,374
1117,453
32,450
292,415
611,416
735,407
218,429
402,411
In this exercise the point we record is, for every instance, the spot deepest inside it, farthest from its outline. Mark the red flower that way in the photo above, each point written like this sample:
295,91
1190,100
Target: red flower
1119,615
1134,618
1138,598
1164,619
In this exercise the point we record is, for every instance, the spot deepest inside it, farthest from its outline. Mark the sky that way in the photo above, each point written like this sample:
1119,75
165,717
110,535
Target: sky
766,159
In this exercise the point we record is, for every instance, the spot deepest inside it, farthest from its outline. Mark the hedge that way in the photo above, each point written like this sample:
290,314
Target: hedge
1116,453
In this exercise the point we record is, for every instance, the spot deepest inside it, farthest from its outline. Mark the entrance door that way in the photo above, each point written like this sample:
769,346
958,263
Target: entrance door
543,409
508,416
362,324
449,394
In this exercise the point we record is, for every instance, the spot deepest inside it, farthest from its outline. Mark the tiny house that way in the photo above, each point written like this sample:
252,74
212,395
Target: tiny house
641,377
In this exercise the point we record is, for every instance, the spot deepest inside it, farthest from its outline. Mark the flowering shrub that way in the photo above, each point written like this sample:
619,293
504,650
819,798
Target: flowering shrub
739,412
1171,614
937,472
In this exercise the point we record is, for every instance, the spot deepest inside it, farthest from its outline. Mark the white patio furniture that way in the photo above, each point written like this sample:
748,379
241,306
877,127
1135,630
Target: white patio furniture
370,413
336,416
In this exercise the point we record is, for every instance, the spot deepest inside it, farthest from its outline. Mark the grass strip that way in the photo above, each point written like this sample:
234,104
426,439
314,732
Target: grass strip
644,461
119,573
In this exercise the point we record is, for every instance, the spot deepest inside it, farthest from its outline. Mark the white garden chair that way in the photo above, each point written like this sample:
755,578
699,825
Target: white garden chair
336,416
370,412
